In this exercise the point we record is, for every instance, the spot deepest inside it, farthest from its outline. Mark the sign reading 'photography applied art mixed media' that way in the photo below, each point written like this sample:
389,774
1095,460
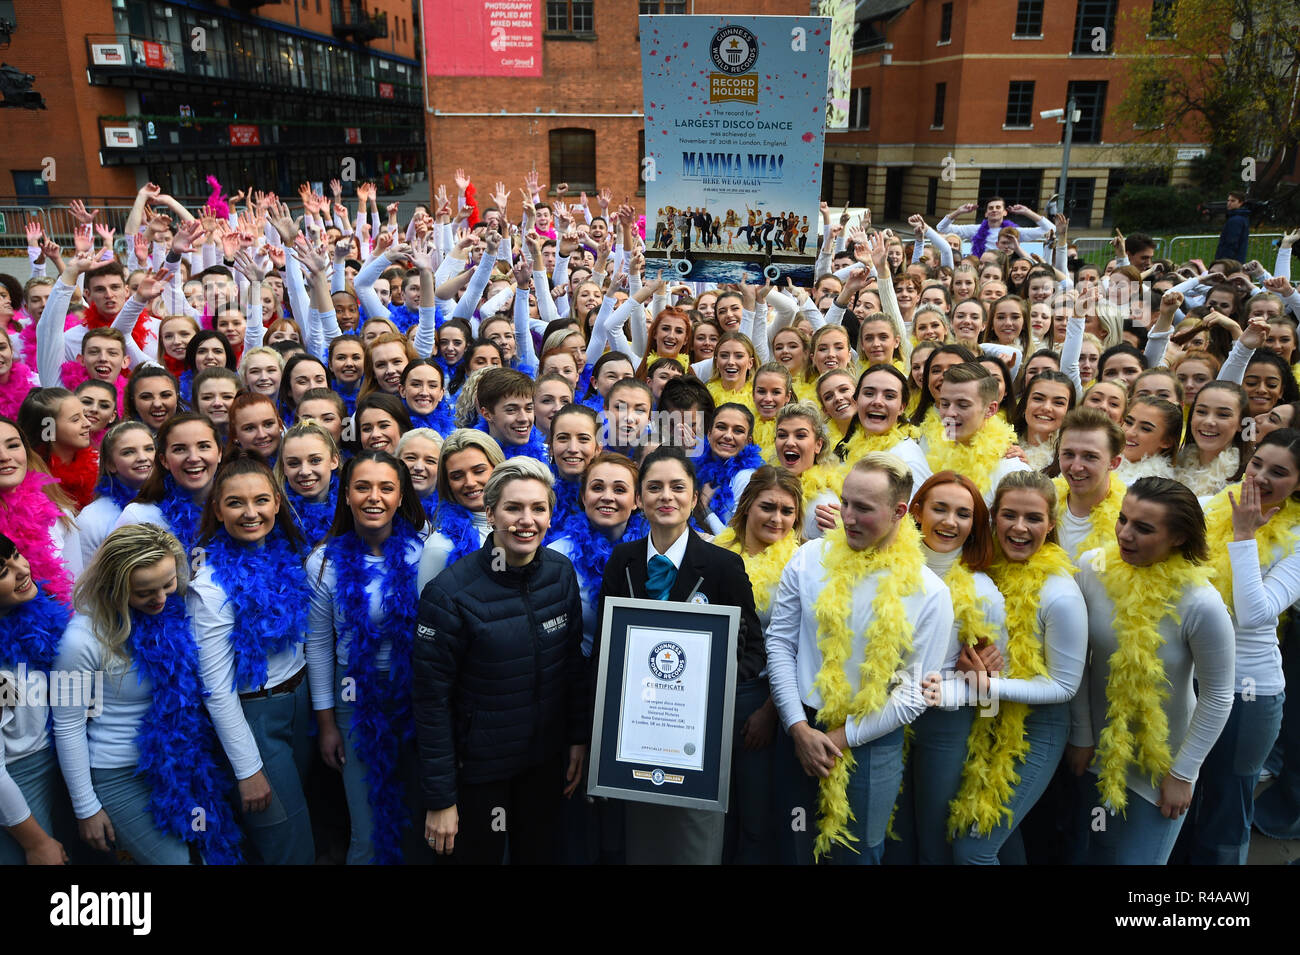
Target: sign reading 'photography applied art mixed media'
735,117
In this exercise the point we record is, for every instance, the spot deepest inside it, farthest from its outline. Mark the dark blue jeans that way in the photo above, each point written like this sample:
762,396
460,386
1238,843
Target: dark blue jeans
1046,729
931,779
281,833
1218,828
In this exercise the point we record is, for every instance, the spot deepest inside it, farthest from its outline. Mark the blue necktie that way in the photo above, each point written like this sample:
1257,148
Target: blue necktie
662,574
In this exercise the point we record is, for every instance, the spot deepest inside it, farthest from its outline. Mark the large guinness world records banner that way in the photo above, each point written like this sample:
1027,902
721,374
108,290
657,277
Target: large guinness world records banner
734,122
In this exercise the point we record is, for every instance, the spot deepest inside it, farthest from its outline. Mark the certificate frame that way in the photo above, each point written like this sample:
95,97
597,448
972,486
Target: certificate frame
669,781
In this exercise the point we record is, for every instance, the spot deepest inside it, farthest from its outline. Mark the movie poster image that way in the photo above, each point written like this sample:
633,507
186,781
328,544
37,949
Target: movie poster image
734,129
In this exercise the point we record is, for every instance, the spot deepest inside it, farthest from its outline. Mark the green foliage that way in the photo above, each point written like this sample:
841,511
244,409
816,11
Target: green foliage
1154,209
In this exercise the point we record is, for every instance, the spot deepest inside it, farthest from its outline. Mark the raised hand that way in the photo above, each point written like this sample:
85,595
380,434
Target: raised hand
918,225
1254,334
605,197
282,221
1248,514
152,284
500,195
183,239
313,260
140,245
276,254
105,235
1290,238
523,272
1279,285
34,234
462,180
1171,301
248,268
83,238
336,188
562,189
80,213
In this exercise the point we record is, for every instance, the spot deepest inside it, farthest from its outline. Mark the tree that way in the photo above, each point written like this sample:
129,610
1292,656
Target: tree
1225,72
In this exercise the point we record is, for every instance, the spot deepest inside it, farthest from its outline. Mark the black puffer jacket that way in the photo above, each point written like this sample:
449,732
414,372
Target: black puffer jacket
499,677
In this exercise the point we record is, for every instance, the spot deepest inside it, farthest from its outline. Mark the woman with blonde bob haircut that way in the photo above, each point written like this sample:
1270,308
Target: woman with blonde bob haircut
139,769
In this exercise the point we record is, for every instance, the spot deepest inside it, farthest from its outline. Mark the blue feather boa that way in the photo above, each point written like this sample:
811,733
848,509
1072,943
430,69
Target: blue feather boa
430,504
349,394
30,632
177,743
439,420
314,517
267,588
567,505
457,525
377,735
721,472
590,549
111,486
534,448
584,385
180,512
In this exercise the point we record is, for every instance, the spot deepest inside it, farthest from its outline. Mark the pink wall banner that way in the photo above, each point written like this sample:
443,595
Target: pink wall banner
482,37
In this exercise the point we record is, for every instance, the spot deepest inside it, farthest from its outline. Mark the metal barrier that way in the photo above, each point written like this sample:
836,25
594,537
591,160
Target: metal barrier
13,224
1262,246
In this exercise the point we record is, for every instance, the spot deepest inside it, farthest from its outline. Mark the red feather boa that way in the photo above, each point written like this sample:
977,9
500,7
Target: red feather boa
78,476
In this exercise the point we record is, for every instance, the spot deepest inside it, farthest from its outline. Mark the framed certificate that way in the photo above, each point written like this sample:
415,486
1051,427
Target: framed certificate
665,703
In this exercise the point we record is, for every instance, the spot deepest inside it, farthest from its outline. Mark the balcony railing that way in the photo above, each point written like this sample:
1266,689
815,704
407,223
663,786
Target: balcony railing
115,59
134,139
351,19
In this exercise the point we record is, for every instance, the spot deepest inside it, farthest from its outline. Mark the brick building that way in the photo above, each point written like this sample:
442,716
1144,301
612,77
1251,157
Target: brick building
254,91
581,121
934,79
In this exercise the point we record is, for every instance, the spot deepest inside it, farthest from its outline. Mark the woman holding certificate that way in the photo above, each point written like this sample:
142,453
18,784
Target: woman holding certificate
674,563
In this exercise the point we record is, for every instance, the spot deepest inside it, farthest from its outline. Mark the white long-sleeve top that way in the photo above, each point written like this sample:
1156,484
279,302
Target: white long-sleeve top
95,522
108,740
328,637
793,658
1259,596
213,619
955,689
439,547
1196,641
1061,625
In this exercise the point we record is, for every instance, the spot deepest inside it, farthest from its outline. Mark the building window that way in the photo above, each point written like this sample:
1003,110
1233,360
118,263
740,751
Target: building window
652,7
1020,104
940,95
1162,18
1016,186
1094,26
931,196
1090,99
573,158
1029,18
1153,104
570,16
860,108
945,23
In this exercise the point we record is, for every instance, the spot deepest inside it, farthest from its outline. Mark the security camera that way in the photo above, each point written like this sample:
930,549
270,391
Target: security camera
1051,114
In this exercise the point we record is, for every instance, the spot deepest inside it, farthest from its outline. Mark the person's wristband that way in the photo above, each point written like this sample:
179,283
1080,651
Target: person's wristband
173,257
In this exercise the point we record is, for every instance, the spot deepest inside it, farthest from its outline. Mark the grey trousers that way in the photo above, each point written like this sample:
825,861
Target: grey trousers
669,835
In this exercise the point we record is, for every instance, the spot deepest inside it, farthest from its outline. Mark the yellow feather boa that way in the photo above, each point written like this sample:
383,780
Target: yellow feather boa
972,626
1103,516
861,443
1274,539
1137,728
819,478
975,460
887,640
764,437
741,396
764,569
996,744
682,358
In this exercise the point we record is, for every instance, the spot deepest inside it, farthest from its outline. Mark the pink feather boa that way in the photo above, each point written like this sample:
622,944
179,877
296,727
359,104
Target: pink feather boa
27,517
217,202
12,392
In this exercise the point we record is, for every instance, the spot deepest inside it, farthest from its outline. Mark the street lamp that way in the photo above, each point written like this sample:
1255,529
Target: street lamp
1069,116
